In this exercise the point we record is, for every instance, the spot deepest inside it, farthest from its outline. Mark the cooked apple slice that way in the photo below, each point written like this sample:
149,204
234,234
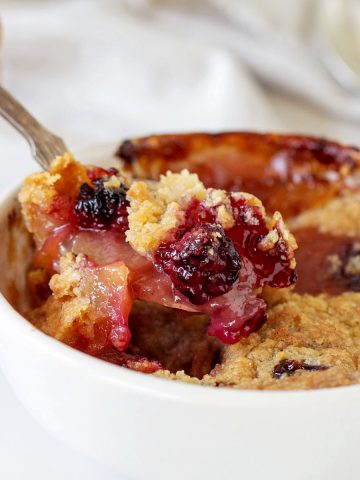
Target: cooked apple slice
90,305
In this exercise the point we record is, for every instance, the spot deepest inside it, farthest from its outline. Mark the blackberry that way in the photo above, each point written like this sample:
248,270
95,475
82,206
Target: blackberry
101,208
202,264
290,366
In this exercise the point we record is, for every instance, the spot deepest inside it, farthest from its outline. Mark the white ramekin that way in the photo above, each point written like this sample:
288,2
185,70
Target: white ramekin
153,429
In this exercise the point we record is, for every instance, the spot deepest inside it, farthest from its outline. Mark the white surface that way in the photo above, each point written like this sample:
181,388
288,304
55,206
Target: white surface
93,73
28,452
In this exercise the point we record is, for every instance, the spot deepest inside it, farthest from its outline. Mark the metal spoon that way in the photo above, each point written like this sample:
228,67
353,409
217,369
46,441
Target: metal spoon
44,145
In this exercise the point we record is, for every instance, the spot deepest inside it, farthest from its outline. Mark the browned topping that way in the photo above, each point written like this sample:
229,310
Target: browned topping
307,171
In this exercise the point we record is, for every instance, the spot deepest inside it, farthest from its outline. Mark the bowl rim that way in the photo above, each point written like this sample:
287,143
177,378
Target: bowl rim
17,325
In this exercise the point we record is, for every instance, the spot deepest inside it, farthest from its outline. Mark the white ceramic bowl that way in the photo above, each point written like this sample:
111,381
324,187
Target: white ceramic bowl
148,428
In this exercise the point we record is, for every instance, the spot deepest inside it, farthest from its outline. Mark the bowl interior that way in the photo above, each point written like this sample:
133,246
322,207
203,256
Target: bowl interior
15,255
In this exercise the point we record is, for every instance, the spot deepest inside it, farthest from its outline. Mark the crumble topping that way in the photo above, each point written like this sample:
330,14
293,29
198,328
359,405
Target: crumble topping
219,200
67,305
352,266
269,241
339,216
85,300
113,182
157,208
40,191
250,199
65,175
307,342
333,264
319,331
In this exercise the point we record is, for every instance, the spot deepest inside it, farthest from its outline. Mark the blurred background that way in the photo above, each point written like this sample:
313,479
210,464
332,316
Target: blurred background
97,71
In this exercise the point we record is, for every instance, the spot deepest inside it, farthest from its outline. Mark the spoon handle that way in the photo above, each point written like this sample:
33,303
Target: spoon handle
44,145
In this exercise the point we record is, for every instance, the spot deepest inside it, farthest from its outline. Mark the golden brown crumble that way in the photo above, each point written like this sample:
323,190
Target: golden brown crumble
157,208
339,217
352,266
115,181
67,304
318,331
38,191
322,331
220,200
70,314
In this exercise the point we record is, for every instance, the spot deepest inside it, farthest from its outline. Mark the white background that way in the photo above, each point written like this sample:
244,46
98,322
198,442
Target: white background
98,71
